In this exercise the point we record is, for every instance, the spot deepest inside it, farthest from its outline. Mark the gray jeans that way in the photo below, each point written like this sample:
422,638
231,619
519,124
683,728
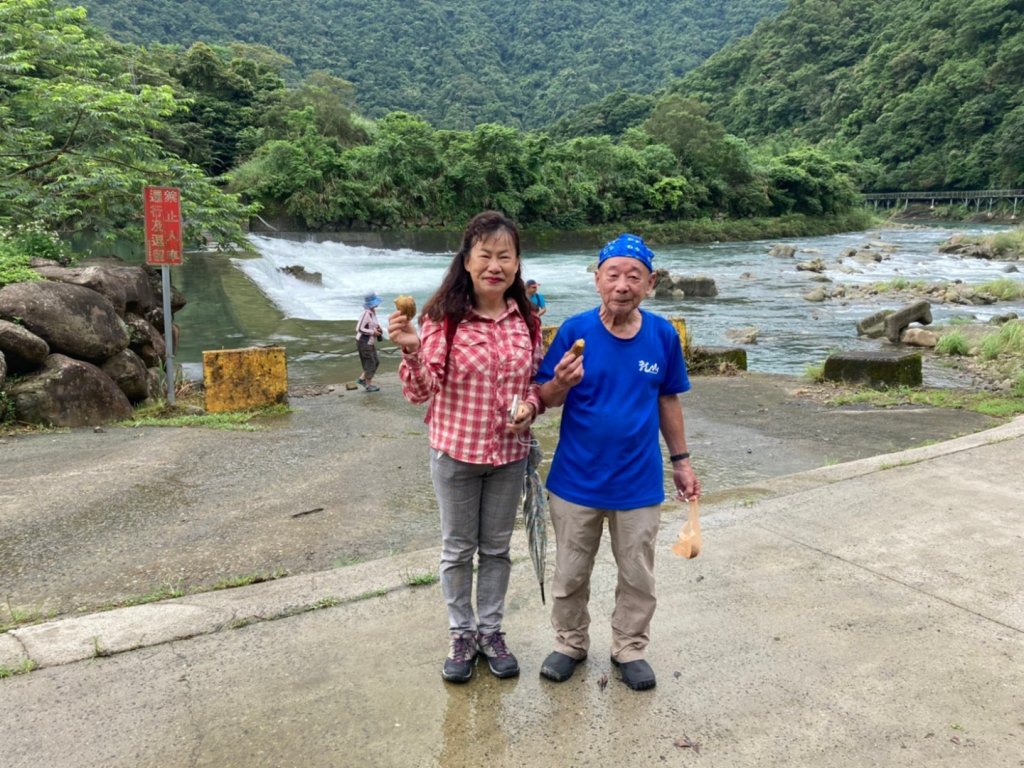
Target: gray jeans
478,504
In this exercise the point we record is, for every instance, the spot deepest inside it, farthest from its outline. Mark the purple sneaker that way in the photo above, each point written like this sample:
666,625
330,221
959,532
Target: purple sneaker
458,666
499,658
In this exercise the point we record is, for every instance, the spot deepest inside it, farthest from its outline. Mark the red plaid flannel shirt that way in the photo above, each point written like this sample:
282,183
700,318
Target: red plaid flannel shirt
491,361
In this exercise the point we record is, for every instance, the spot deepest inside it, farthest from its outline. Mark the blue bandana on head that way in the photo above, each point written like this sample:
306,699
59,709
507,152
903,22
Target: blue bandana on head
628,245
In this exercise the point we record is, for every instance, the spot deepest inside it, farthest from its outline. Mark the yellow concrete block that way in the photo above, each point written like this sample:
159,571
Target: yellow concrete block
240,379
547,334
680,325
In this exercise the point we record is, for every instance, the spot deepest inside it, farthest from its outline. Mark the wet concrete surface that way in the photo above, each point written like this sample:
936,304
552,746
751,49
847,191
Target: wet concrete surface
91,519
826,623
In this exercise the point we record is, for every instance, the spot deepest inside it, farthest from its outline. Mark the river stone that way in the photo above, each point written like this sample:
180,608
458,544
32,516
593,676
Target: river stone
668,286
815,265
745,335
68,393
785,251
816,294
299,273
919,337
697,285
73,320
127,370
867,257
23,349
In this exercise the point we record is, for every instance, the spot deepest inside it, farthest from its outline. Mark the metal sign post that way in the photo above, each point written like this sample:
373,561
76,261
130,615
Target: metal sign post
163,249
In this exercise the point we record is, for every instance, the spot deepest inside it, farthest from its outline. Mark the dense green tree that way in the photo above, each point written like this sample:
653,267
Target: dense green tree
460,63
611,116
78,133
927,90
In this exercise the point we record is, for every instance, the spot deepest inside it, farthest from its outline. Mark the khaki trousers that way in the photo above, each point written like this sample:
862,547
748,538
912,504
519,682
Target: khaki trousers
578,537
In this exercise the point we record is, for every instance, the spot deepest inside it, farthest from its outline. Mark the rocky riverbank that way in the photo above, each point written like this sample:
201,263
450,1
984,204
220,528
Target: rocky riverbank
81,345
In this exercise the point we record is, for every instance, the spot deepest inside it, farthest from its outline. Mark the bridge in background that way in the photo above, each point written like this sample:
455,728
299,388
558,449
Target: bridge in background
975,196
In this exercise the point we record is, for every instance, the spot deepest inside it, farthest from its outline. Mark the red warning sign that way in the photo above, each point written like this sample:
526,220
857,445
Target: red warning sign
163,226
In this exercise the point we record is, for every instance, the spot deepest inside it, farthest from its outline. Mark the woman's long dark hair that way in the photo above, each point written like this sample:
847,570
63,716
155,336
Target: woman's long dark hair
455,297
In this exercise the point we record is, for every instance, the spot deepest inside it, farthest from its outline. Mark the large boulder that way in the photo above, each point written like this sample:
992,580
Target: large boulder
145,340
23,349
127,370
299,273
669,286
73,320
126,287
746,335
68,393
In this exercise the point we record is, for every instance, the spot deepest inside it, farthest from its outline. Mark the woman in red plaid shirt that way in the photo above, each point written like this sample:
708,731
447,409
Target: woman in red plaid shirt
477,351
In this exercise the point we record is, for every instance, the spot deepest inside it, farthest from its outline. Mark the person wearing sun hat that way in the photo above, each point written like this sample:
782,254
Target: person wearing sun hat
608,462
369,331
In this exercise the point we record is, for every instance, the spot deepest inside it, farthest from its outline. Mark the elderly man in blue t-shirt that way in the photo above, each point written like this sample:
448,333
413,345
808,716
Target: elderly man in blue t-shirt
608,462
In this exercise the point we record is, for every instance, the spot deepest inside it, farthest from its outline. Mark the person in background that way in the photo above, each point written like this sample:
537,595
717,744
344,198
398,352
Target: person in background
475,356
369,333
533,291
608,462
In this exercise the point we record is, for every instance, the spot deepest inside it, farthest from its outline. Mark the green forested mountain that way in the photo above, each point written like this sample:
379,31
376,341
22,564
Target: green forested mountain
930,91
459,63
86,122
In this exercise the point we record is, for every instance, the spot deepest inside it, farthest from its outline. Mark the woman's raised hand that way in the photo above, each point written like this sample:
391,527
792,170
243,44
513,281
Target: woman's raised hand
402,332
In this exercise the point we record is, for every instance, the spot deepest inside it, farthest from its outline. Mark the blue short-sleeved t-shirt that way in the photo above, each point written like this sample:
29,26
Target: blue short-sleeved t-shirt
609,451
538,300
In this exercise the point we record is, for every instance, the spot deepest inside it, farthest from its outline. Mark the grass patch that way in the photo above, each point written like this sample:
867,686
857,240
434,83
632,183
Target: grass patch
252,578
164,592
1018,385
17,617
1008,340
953,343
815,373
22,669
1003,288
326,602
160,415
896,285
1008,243
422,579
999,406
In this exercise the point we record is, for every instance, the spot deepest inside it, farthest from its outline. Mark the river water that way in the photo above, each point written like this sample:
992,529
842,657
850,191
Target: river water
237,302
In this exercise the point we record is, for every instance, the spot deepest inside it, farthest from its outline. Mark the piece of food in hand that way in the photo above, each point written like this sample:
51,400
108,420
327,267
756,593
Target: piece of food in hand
577,348
406,305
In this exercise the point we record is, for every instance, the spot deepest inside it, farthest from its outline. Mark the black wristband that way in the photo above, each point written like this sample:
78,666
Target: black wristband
679,456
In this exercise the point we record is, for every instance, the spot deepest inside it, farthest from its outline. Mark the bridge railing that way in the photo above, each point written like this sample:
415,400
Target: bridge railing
974,194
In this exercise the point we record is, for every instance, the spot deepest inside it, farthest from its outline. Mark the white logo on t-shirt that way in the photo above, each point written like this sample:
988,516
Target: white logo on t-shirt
646,367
